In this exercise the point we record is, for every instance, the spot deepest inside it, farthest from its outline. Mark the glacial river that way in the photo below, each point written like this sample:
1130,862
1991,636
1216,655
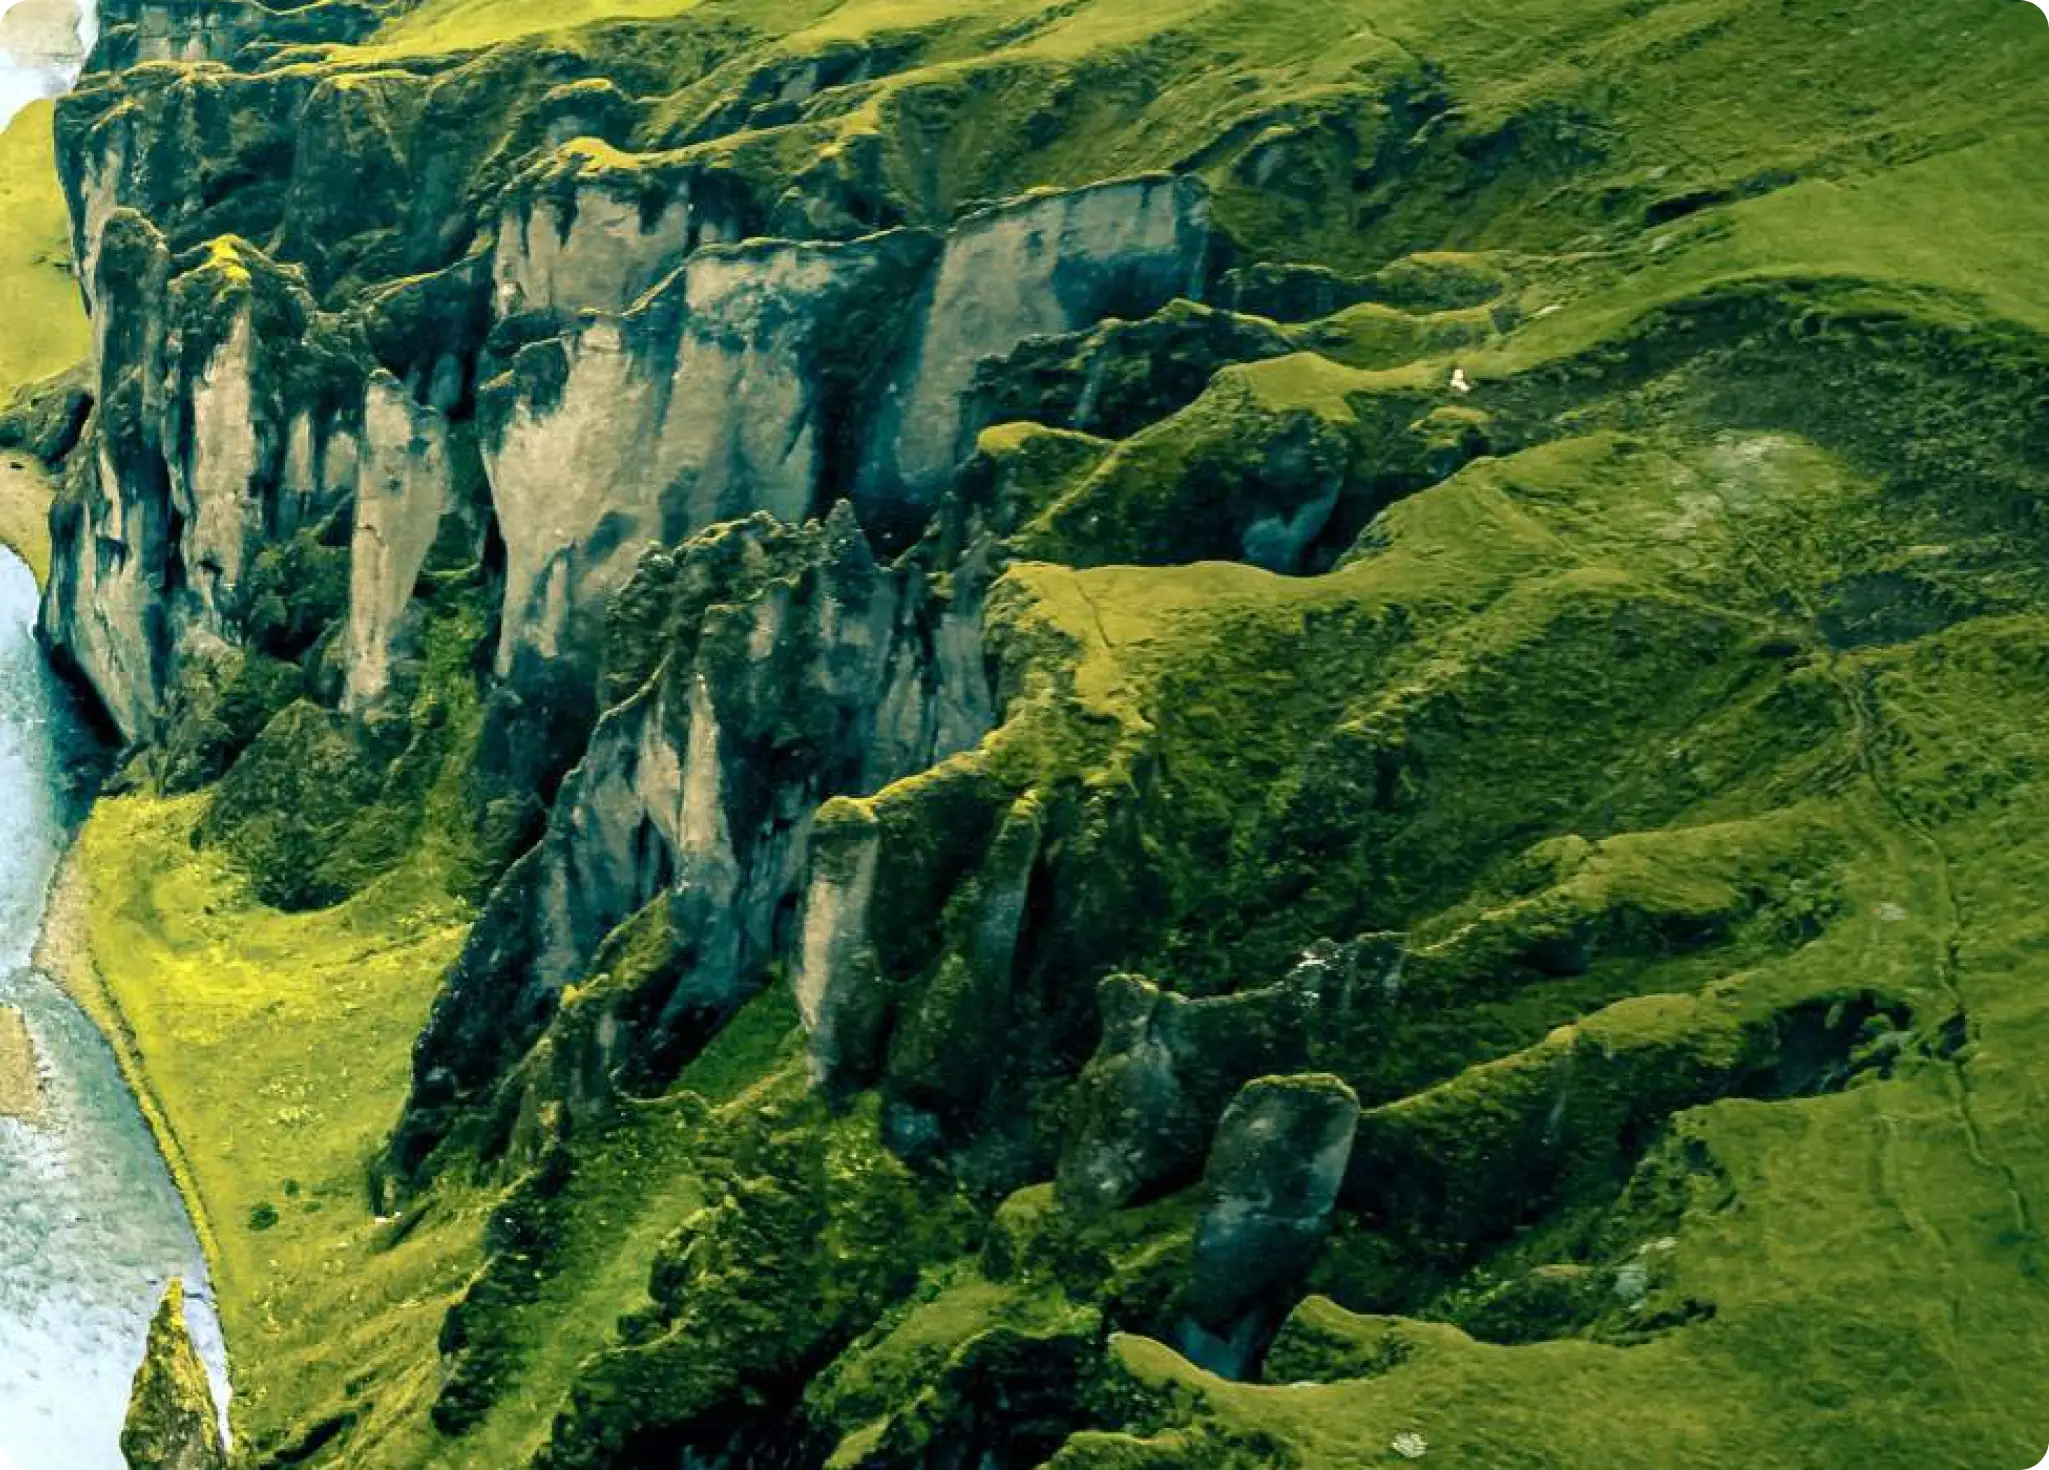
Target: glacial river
90,1225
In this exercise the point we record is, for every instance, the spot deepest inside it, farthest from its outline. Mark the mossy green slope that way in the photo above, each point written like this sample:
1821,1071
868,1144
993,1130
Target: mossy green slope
271,1049
37,292
1853,1289
1658,677
39,300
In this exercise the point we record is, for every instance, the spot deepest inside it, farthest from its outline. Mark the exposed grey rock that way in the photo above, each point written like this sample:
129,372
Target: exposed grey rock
183,32
589,252
1045,264
48,418
136,31
112,530
214,451
772,693
714,399
1148,1103
702,382
206,448
1268,1190
954,1038
838,978
573,237
404,487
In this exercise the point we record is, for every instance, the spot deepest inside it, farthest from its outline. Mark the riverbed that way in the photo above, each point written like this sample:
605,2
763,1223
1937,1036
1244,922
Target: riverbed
42,43
91,1226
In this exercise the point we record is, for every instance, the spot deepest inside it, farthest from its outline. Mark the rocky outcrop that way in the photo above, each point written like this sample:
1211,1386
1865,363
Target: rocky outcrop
172,1422
871,918
215,437
133,32
629,377
405,490
791,667
1268,1190
724,394
706,380
111,531
1117,377
742,385
949,1042
748,380
577,234
1042,265
1148,1103
839,989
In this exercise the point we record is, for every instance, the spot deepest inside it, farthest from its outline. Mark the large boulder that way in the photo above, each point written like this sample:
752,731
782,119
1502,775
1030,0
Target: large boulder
1167,1066
1268,1191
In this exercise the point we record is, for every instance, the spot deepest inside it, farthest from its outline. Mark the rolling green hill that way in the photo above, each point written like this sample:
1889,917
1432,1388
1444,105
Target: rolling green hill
1096,734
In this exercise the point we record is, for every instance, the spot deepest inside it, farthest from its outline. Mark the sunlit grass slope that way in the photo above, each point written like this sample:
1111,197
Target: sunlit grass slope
42,324
272,1052
45,324
1860,1273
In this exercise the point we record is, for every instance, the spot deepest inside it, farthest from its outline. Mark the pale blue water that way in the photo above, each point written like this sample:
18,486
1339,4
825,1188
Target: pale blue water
25,79
90,1224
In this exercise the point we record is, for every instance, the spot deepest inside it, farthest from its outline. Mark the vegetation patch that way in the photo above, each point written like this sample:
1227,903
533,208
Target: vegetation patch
1556,643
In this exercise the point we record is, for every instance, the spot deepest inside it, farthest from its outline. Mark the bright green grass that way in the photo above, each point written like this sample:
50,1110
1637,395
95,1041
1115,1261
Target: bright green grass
1609,106
1881,1278
273,1051
1879,1286
638,1182
460,25
1965,224
45,324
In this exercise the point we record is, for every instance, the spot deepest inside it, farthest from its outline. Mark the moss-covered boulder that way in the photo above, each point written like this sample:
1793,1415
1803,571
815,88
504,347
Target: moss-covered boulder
1148,1102
1268,1189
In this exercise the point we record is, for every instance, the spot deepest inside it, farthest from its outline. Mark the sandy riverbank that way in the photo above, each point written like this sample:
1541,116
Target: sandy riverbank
21,1077
64,952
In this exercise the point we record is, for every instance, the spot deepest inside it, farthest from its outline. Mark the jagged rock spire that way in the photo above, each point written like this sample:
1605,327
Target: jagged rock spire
172,1422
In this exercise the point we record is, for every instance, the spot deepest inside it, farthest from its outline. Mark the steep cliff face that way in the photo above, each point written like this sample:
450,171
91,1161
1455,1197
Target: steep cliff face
790,666
407,499
1127,707
223,429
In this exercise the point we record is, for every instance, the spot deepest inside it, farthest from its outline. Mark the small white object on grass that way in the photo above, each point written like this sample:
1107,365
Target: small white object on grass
1410,1445
1459,382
